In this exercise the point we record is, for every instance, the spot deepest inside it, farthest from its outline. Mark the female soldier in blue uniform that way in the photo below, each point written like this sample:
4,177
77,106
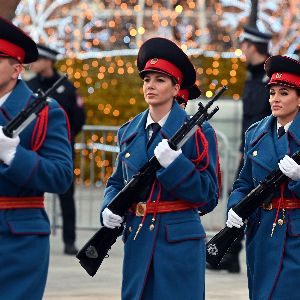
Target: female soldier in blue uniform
38,160
273,243
164,252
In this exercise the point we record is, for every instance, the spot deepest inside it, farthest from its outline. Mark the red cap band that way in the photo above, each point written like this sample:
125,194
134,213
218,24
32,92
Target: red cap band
184,94
164,66
285,78
12,50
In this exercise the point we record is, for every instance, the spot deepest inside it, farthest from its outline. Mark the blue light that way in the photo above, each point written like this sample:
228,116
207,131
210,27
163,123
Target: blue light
126,39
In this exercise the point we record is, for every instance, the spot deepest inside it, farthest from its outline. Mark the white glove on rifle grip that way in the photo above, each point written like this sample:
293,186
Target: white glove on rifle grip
8,147
164,154
111,220
234,220
289,168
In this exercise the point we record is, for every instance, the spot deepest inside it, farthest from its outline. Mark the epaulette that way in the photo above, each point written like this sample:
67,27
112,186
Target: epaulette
125,124
256,124
253,125
123,129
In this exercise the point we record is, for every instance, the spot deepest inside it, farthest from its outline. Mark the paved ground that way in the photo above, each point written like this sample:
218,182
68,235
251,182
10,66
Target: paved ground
67,280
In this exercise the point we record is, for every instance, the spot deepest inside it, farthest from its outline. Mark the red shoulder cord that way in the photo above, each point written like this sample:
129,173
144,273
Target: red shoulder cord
155,209
218,168
40,129
281,199
68,124
204,155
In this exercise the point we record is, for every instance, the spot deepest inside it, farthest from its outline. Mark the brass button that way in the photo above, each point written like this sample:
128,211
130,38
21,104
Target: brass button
127,155
267,206
254,153
280,222
130,229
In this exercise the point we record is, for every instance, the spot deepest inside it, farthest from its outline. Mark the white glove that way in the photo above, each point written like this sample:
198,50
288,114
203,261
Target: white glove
164,154
289,168
111,220
8,147
234,220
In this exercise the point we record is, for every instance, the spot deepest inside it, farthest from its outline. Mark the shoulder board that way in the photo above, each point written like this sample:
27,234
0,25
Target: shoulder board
125,124
257,124
253,125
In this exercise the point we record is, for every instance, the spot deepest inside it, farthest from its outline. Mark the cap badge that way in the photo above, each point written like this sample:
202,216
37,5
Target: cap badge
153,61
278,75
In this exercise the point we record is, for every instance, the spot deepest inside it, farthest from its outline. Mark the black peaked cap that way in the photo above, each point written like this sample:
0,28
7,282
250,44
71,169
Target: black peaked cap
167,50
255,36
15,35
279,63
47,52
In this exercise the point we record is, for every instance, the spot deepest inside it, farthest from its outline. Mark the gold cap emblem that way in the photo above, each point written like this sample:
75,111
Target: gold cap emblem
278,75
153,61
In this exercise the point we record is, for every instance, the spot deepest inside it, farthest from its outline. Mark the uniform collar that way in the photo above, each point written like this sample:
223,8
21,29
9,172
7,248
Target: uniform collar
256,68
3,98
294,129
286,126
268,125
161,122
173,122
49,80
17,99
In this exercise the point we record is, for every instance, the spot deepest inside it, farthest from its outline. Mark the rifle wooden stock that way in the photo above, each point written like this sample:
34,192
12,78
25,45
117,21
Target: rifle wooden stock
218,246
95,250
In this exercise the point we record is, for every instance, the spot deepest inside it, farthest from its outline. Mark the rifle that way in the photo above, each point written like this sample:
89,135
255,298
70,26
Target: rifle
218,246
95,250
28,114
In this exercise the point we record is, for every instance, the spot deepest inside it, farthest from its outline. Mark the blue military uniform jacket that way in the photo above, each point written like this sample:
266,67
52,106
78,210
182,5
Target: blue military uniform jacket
175,249
24,232
273,262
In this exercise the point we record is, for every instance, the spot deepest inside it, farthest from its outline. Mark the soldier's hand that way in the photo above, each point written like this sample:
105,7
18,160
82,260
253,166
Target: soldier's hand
111,220
289,168
8,147
164,154
234,220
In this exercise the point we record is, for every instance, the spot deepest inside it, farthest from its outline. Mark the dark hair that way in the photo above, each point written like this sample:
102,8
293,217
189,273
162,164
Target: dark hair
298,92
12,60
261,48
179,100
174,81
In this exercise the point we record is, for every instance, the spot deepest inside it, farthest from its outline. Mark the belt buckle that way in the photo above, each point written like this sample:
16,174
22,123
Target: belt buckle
267,206
140,209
